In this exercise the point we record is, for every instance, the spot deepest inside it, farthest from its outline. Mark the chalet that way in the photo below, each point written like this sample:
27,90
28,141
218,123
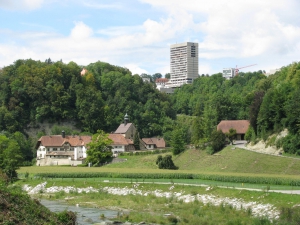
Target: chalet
153,143
241,127
62,149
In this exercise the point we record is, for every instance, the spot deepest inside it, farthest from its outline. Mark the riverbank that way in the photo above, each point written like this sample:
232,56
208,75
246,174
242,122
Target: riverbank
157,203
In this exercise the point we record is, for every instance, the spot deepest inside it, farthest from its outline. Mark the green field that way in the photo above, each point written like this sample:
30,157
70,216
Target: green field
227,162
227,168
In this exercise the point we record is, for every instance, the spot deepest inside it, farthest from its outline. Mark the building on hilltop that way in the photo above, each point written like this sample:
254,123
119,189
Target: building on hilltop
62,149
83,71
183,63
241,127
183,66
228,73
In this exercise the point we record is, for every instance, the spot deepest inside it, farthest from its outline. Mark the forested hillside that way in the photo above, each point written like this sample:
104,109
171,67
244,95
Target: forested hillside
34,91
270,103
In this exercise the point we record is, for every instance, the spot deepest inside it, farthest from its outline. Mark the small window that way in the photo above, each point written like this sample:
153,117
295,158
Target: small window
54,149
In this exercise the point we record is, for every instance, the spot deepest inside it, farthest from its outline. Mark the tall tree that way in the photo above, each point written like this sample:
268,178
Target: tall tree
10,156
99,149
177,142
136,141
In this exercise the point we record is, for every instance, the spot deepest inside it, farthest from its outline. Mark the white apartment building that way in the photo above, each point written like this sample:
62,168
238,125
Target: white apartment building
228,73
183,64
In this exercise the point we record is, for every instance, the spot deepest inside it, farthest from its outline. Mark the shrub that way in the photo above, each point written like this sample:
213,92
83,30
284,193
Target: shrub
218,140
165,162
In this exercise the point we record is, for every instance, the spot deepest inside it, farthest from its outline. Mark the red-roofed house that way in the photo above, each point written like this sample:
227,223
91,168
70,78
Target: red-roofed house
120,143
241,127
62,149
152,143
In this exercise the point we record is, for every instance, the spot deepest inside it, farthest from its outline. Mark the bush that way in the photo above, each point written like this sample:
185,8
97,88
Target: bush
209,150
166,162
291,144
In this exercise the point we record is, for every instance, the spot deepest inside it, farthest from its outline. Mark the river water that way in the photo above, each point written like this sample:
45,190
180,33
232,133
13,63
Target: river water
85,215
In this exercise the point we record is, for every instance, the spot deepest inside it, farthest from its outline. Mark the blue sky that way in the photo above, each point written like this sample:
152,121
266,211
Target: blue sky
137,34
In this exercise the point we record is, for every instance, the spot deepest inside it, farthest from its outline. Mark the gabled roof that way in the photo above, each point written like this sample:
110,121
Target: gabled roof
148,141
159,142
241,126
122,129
118,139
58,140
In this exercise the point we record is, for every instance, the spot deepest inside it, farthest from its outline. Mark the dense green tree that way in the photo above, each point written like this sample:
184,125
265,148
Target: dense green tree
218,141
177,142
136,141
99,149
10,156
231,135
166,162
168,75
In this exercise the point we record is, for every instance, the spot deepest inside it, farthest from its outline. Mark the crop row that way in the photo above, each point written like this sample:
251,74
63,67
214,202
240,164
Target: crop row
231,179
149,152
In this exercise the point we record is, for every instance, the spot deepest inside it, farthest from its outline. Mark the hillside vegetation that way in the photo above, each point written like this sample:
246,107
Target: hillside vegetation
17,207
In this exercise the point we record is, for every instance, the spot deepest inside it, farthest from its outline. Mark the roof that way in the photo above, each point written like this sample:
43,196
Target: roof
119,139
58,140
122,129
83,71
161,80
159,142
241,126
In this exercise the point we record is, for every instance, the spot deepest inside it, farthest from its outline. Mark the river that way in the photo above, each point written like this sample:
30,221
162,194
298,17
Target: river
85,215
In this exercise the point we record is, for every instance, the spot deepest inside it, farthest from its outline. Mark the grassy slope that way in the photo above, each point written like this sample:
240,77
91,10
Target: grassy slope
237,161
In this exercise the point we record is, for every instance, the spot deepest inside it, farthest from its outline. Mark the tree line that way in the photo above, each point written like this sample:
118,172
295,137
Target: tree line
271,104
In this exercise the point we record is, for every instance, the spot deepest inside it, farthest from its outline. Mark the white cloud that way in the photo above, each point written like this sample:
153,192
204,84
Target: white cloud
21,4
135,69
81,31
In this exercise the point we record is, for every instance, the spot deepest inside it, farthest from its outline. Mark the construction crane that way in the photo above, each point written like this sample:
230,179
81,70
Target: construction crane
236,72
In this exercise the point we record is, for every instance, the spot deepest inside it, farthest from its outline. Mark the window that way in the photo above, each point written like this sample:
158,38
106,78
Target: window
54,149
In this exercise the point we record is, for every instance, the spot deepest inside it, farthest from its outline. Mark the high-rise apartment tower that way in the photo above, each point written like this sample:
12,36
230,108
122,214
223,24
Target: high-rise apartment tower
183,63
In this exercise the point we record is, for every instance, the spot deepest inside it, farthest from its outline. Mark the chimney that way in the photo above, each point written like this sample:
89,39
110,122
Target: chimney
63,134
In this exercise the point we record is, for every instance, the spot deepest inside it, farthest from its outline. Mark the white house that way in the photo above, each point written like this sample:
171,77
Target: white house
62,149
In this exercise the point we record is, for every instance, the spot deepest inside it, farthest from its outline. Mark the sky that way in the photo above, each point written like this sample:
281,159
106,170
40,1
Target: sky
137,34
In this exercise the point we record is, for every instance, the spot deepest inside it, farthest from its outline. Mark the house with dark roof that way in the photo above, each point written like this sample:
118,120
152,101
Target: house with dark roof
241,127
62,149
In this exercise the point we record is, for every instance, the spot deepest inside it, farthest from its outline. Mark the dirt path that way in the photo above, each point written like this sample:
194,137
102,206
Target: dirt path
243,145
